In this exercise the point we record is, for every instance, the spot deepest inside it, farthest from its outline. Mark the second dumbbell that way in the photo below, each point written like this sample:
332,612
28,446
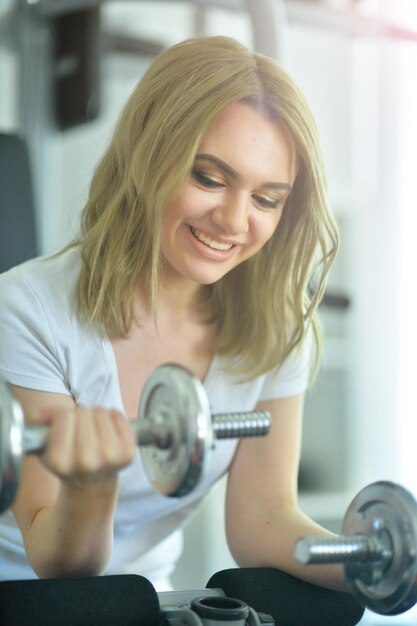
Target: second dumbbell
378,548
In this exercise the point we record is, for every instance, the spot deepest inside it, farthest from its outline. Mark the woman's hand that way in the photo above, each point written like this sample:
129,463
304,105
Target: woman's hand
87,447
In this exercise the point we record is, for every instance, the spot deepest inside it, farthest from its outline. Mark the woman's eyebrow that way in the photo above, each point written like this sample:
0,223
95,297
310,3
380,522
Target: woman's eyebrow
233,174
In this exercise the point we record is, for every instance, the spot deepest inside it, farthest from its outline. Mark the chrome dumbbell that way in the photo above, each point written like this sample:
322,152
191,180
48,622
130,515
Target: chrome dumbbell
378,548
175,432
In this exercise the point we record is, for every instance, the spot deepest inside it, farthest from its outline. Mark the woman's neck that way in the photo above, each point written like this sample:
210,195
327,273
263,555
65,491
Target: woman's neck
175,302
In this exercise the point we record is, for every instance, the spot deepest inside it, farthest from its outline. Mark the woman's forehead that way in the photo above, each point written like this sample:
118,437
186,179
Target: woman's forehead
249,142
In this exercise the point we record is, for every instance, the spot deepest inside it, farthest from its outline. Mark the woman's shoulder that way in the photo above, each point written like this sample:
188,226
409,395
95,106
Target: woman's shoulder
43,345
236,392
45,281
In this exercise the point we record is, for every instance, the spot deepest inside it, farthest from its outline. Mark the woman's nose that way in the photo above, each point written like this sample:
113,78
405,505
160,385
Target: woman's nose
231,214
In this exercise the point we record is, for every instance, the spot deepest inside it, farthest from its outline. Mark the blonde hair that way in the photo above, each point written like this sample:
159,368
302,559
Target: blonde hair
262,308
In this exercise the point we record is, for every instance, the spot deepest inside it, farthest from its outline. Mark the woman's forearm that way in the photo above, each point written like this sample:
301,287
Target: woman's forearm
75,536
268,539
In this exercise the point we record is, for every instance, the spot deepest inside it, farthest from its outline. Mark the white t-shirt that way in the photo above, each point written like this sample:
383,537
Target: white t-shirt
45,346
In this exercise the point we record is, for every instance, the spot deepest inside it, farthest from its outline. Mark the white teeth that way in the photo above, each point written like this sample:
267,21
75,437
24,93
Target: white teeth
210,242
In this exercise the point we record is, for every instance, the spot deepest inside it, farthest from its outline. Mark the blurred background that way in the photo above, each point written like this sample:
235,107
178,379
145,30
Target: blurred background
66,69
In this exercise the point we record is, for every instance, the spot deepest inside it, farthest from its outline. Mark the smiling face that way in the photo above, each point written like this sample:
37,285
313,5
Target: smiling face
232,202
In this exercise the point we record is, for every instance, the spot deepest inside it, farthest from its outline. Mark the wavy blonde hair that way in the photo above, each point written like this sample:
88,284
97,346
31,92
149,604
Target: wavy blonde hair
262,308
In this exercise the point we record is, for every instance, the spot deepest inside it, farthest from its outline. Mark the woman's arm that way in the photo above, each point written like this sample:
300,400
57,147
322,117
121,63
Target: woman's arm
263,521
67,497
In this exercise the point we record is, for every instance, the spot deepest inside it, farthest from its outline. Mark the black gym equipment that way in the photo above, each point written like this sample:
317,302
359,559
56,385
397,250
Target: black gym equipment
18,240
290,601
272,597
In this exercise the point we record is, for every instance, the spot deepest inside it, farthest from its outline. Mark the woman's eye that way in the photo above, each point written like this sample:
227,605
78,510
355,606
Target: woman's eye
206,180
267,202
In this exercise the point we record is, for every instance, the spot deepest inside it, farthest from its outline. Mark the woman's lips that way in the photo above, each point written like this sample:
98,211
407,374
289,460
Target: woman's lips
208,241
210,248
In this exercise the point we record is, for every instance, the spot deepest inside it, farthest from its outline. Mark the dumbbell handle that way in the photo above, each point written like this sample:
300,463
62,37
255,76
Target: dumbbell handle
157,432
342,549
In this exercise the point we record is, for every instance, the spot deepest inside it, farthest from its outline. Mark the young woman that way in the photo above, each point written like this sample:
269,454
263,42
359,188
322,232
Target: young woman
206,219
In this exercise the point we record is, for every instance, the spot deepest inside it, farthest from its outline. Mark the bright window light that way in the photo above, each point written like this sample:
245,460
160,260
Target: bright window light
400,12
407,278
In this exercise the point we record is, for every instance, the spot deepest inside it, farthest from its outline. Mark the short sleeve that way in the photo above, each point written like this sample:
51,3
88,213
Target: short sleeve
28,354
292,378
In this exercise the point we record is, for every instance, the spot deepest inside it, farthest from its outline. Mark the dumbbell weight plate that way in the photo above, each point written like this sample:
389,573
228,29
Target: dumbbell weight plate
179,398
11,445
388,502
